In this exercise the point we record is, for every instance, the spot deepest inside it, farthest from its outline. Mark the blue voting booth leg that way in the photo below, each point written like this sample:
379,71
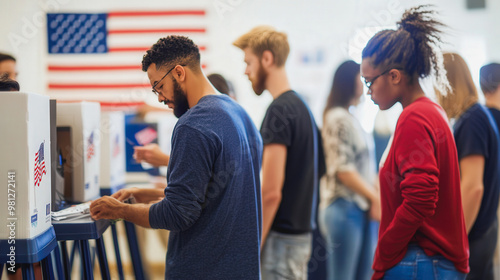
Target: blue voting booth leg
86,262
47,269
28,273
103,261
59,263
117,252
30,251
135,254
65,260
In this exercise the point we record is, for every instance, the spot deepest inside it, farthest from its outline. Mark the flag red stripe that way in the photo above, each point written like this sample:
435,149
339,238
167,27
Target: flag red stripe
157,13
96,86
139,49
94,67
168,30
98,67
107,104
113,104
128,49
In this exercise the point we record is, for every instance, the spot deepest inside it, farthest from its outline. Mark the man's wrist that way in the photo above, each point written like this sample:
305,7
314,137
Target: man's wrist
124,211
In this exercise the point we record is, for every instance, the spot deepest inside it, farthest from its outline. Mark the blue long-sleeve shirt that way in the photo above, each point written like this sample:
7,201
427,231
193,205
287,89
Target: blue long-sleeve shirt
212,203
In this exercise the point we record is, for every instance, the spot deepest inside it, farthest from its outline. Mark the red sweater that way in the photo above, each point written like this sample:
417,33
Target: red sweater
420,191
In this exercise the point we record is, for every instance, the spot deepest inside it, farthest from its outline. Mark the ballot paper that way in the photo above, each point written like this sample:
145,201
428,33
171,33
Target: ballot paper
77,211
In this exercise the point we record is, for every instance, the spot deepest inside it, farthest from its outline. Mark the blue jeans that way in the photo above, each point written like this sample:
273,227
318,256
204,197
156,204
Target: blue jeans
416,265
351,238
285,256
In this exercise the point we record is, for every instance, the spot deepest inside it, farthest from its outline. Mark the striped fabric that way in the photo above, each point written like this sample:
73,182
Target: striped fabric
97,57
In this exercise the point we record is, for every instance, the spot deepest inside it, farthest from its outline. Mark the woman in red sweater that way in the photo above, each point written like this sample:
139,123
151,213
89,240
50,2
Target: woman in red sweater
422,232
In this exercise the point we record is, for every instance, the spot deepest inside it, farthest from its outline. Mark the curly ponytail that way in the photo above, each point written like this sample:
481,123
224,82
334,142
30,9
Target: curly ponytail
413,47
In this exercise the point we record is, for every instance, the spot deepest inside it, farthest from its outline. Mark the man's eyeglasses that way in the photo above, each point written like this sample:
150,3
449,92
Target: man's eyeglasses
370,83
156,83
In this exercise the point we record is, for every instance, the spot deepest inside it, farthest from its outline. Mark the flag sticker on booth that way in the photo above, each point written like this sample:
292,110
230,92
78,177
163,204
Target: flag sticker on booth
146,136
39,165
90,147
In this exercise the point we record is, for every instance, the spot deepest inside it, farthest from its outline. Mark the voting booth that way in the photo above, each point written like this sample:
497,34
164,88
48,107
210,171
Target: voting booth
79,138
25,166
112,152
156,129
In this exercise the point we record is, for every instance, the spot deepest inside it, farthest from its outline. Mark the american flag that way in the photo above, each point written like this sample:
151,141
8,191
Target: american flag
90,147
98,56
146,136
39,165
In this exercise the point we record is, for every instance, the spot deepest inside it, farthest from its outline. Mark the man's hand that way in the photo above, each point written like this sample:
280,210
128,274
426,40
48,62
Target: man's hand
140,195
107,207
123,194
151,154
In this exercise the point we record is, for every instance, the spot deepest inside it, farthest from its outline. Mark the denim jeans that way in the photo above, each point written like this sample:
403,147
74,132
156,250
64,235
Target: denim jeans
351,238
285,256
416,265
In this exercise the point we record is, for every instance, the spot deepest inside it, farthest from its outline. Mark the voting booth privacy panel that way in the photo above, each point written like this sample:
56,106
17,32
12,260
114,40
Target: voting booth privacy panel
79,138
112,151
25,164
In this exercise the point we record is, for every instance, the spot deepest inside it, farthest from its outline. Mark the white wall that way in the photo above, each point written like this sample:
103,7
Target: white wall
319,30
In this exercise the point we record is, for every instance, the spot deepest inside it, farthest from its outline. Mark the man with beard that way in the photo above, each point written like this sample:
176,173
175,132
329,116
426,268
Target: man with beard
212,202
291,160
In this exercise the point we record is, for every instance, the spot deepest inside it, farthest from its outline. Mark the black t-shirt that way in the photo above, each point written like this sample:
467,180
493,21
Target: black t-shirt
496,115
288,122
476,134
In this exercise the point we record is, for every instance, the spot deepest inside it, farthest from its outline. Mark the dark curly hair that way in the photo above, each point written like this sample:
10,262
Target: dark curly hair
413,47
4,56
7,84
170,51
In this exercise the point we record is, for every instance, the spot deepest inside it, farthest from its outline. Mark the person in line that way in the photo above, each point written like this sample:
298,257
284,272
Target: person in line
152,154
7,84
422,231
349,199
291,163
489,77
8,66
477,140
222,85
212,204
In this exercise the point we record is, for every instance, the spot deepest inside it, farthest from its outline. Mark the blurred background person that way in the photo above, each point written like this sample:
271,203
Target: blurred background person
476,138
222,85
8,66
292,160
422,232
7,84
490,85
349,199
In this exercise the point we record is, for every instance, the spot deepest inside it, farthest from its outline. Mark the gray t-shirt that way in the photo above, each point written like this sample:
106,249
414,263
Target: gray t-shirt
347,148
